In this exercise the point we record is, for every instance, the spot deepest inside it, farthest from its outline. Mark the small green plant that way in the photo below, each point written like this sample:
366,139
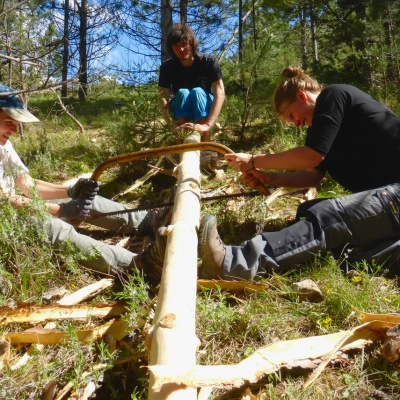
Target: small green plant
135,293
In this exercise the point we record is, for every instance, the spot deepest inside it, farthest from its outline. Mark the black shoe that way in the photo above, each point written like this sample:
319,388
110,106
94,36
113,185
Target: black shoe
211,249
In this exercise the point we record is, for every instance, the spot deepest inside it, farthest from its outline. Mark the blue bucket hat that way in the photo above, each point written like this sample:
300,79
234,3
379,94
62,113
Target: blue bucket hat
14,107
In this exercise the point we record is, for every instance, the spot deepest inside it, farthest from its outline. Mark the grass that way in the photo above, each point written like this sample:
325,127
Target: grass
231,326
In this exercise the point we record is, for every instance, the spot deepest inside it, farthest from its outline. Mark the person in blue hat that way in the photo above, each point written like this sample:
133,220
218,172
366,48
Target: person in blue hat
67,203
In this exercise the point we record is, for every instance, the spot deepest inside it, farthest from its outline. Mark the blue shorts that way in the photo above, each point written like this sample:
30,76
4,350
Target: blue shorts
193,104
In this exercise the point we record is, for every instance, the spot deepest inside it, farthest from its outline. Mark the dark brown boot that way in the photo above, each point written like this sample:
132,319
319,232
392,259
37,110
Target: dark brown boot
211,249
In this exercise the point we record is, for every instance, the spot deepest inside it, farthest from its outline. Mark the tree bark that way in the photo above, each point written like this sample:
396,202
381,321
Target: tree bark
303,37
166,24
314,39
183,5
83,58
64,75
241,32
235,32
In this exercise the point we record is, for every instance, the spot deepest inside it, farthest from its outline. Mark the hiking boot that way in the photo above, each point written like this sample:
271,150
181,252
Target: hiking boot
151,260
211,249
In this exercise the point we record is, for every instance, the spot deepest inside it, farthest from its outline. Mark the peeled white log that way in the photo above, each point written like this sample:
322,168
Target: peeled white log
173,341
309,352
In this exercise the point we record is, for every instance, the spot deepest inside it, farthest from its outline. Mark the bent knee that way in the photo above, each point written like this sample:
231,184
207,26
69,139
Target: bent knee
58,230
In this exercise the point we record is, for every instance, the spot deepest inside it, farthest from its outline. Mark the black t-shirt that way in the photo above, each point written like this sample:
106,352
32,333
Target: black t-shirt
204,71
359,137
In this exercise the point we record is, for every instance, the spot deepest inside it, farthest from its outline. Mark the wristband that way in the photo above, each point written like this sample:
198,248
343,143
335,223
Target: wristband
252,161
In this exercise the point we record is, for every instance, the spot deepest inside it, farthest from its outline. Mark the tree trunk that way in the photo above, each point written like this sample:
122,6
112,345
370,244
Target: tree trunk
314,40
64,76
392,64
303,37
83,58
240,31
173,340
166,24
253,14
183,5
234,33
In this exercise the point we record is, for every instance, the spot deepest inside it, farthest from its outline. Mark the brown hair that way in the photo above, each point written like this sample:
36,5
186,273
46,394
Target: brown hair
181,32
293,79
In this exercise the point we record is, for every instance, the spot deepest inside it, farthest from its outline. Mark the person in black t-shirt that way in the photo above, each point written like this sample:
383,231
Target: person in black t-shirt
357,140
353,137
190,83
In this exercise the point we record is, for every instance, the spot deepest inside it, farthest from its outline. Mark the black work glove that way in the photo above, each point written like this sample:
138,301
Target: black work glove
84,188
75,209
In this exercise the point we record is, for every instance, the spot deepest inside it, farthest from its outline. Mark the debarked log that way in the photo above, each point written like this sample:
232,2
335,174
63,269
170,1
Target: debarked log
173,340
310,352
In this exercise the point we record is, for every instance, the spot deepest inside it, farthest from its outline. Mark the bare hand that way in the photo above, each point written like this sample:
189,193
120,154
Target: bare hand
201,128
239,161
251,178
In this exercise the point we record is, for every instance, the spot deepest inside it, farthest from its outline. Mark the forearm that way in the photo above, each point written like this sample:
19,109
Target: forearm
48,191
215,110
298,179
21,201
164,101
298,158
166,110
218,90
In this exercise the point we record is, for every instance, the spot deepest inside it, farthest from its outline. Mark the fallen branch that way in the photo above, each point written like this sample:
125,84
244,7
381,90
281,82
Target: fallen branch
172,338
62,105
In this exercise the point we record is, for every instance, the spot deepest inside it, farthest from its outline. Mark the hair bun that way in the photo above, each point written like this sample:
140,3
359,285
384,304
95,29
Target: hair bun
292,72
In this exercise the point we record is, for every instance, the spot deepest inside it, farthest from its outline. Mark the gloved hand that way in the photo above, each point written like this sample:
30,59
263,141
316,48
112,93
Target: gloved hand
74,209
84,188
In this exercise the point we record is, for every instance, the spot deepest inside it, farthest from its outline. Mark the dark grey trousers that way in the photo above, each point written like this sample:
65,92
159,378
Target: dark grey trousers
368,223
